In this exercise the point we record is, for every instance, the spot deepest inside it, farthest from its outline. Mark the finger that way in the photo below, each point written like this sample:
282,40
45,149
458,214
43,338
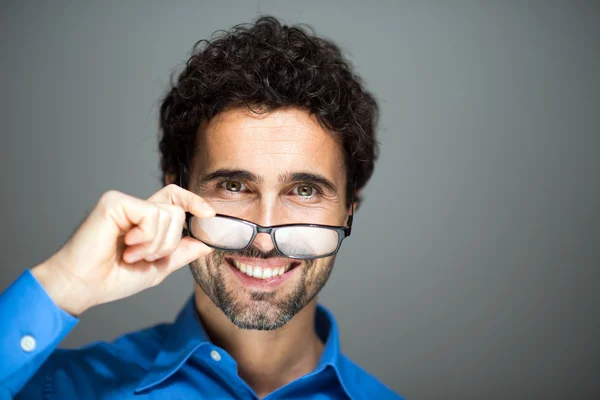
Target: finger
187,251
165,240
191,202
149,227
138,236
127,211
164,222
135,236
173,235
135,253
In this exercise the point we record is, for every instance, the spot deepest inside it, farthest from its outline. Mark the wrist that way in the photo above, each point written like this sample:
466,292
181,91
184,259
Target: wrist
65,293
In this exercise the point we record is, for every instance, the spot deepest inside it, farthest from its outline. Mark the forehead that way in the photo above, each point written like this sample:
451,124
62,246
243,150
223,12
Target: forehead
268,144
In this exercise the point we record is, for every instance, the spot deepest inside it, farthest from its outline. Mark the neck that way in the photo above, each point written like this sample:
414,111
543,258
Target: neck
267,360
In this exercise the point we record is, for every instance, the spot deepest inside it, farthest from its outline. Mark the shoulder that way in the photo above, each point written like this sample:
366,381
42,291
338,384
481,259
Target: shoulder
137,349
99,367
361,384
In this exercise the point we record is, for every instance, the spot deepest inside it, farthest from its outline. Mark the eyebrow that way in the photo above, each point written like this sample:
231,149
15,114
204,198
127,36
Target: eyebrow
309,177
231,174
247,176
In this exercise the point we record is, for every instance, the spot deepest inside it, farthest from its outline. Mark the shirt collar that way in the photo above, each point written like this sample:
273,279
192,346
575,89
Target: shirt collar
183,337
186,335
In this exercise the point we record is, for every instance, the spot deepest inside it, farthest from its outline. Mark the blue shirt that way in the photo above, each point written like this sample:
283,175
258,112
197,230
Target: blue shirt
166,361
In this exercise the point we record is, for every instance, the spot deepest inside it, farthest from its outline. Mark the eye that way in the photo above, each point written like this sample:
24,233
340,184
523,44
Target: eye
305,190
233,186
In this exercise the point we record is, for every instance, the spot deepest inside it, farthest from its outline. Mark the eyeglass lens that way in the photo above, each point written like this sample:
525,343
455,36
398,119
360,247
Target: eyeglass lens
294,241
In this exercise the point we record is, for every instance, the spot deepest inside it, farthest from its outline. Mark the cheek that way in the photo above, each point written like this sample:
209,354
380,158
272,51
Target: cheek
318,267
209,263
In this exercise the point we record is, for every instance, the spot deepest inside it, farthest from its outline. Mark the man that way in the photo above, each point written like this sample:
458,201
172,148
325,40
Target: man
267,138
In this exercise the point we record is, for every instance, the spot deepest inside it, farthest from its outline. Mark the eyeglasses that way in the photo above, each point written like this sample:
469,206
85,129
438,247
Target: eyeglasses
298,241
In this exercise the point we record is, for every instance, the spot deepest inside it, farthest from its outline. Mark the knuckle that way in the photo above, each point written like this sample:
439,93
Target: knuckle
108,201
172,187
151,227
165,216
110,197
154,213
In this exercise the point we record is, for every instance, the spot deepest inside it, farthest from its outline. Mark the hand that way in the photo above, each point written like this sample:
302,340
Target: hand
124,246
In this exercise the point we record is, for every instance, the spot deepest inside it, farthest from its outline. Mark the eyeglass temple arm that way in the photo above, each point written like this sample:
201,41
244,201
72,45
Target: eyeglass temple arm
351,216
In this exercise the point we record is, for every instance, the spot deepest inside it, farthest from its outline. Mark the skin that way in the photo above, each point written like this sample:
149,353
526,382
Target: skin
271,347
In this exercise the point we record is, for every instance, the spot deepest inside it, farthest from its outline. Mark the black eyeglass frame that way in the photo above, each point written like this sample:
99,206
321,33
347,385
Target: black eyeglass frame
342,231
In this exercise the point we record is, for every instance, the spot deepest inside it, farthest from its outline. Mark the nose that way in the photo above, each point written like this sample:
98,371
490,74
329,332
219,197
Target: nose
265,216
263,242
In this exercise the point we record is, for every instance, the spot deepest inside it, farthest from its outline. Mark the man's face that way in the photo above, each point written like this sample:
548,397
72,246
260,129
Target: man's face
275,168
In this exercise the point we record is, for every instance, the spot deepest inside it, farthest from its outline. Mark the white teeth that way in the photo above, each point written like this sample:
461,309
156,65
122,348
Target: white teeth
259,272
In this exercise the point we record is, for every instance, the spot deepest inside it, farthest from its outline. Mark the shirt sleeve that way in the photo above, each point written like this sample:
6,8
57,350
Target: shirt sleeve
32,327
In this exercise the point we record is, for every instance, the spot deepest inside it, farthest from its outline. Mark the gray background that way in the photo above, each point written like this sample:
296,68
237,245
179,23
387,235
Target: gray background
472,271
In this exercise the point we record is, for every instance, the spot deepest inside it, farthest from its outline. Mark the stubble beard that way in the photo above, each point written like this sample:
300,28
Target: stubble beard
266,311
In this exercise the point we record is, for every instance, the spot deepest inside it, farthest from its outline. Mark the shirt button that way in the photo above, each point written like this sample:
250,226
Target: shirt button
215,355
28,343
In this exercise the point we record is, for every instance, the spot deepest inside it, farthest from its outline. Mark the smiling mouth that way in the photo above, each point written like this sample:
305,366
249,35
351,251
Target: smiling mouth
263,272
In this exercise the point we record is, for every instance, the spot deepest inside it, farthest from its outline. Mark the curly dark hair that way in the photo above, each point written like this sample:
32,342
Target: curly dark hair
266,66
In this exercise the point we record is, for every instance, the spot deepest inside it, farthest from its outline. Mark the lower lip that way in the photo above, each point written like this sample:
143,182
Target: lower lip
261,283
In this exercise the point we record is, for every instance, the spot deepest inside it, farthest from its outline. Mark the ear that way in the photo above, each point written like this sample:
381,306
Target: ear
357,199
